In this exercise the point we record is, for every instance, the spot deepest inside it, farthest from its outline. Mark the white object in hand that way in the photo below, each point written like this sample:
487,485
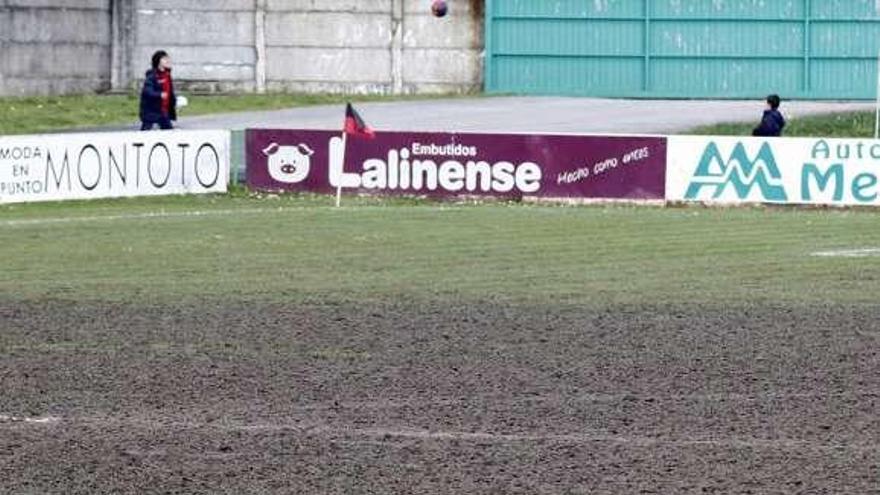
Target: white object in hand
182,101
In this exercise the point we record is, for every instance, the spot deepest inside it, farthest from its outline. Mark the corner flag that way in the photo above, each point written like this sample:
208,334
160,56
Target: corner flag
355,125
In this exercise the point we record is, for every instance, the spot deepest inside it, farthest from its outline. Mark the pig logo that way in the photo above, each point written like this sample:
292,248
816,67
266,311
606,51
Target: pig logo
289,164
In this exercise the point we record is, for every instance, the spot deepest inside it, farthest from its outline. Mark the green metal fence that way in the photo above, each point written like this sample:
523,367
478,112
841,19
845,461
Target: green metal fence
811,49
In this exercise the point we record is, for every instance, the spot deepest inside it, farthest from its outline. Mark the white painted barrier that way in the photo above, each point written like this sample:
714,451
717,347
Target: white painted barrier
731,170
54,167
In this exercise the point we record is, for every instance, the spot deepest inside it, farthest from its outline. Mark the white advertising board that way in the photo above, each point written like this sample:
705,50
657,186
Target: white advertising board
53,167
730,170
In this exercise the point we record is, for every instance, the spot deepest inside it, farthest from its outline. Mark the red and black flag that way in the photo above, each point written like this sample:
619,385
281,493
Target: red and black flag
355,125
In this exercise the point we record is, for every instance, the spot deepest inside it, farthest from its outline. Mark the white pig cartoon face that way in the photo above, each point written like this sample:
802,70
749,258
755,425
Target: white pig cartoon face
289,164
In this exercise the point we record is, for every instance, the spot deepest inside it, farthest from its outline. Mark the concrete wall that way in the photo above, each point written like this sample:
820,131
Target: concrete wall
351,46
212,43
443,55
380,46
54,46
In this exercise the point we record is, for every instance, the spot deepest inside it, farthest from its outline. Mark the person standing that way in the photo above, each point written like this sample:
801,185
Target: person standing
158,103
772,122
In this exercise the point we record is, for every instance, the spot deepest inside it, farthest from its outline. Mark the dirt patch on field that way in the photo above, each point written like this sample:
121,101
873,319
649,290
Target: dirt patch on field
438,398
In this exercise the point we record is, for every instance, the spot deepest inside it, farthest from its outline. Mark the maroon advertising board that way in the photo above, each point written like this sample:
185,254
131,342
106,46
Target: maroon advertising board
458,164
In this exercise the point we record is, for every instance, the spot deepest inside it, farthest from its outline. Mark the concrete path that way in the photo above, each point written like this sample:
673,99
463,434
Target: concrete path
520,114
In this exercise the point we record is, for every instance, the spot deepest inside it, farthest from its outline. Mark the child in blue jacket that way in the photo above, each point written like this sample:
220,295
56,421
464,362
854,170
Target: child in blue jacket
772,122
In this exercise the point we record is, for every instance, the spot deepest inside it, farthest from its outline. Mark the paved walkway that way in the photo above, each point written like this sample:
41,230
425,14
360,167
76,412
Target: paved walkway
520,114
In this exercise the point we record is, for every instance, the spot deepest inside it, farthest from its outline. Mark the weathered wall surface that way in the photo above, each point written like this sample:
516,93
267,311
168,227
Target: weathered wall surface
329,45
381,46
443,54
352,46
211,42
54,46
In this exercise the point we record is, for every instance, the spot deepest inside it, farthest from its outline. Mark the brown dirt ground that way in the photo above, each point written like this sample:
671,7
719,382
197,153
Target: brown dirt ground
438,398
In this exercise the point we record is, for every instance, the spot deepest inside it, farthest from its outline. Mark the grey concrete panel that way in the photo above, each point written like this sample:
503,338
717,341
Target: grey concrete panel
57,60
330,5
61,4
186,87
16,86
5,25
199,5
191,55
4,63
328,30
441,66
442,88
164,28
75,26
205,72
426,31
336,87
316,64
456,7
214,72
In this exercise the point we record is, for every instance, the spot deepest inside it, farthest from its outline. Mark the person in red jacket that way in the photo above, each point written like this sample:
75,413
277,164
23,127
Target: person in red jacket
158,102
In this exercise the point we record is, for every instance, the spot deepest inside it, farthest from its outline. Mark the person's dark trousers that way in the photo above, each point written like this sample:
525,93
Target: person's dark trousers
164,124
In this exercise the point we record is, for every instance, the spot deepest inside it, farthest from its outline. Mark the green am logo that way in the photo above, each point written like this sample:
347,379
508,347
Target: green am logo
739,173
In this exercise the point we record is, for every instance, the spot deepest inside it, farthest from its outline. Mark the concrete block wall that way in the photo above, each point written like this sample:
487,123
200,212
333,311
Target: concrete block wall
443,55
211,42
54,46
349,46
380,46
329,45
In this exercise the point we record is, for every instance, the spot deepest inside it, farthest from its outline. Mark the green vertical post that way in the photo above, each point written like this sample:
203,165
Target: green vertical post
489,47
806,84
236,157
646,82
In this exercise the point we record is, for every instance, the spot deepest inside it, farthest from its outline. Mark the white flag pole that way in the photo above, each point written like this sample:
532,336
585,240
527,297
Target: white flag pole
339,185
877,111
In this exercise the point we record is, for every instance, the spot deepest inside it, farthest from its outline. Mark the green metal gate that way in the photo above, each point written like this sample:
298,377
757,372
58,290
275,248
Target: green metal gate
810,49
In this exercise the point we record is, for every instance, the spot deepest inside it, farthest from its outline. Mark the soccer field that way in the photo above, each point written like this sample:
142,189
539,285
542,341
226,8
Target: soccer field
277,344
300,249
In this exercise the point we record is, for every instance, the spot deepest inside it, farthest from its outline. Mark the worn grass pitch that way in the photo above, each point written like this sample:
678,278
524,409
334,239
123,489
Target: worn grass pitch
300,248
279,345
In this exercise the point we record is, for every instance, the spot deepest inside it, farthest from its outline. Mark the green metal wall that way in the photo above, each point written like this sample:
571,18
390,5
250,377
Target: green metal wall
810,49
